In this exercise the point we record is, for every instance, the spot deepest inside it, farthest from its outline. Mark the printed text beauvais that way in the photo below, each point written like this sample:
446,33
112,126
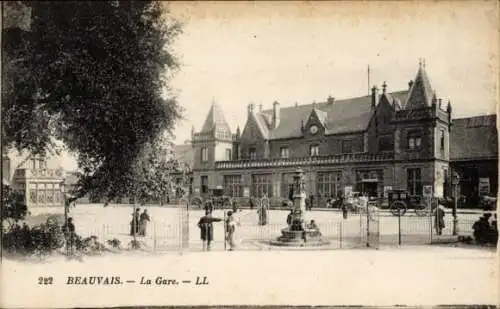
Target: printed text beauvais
94,280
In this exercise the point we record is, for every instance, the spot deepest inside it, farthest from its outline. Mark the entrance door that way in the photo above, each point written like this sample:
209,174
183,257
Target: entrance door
370,188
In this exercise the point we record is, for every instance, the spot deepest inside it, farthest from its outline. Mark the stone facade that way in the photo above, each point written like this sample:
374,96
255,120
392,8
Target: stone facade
39,179
366,144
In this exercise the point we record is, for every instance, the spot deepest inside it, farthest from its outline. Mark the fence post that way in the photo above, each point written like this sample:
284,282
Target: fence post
225,242
399,226
429,206
367,226
341,232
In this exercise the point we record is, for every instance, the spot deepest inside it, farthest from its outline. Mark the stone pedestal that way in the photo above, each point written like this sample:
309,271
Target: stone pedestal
298,233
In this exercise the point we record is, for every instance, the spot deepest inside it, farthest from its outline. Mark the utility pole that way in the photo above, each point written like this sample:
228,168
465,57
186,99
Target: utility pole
369,80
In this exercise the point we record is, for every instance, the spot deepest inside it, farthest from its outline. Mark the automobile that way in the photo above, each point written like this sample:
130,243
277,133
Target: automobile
400,201
215,199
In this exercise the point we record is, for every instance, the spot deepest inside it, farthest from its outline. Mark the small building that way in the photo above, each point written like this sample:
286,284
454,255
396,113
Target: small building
40,180
474,156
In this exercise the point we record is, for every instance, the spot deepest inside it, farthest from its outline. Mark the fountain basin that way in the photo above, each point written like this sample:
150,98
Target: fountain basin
303,238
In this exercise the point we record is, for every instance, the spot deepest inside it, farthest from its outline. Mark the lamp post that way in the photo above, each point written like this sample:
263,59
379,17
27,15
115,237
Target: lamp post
455,180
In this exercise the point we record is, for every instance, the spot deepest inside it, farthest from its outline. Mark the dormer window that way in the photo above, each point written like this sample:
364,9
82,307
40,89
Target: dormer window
314,150
252,153
347,146
284,152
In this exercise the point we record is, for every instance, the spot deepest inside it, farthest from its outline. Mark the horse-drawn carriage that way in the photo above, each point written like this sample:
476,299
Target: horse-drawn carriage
215,199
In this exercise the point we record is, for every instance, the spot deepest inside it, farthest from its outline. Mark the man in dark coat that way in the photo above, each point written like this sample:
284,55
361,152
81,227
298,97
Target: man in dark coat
134,224
69,233
340,200
439,220
289,218
207,229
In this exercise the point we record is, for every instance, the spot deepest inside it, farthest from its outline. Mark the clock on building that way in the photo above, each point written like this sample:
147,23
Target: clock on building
313,129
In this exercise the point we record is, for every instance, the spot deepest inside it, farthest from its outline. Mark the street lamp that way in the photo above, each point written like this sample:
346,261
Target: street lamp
455,180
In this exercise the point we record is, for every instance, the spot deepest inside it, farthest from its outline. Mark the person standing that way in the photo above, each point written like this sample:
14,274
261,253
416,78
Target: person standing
289,218
134,224
230,230
439,219
69,234
340,200
143,222
262,212
207,229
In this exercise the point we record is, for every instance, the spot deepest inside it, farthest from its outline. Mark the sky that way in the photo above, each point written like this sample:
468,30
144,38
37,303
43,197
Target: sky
238,53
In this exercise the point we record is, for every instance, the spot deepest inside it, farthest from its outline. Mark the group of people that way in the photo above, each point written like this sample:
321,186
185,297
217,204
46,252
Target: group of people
139,223
296,223
486,229
205,224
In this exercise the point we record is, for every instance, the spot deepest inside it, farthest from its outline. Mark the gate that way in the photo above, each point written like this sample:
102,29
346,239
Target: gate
370,226
172,234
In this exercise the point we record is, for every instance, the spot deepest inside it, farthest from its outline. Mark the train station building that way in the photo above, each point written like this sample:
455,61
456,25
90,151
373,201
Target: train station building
387,140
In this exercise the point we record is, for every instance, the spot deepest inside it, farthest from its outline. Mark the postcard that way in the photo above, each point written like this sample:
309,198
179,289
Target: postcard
249,154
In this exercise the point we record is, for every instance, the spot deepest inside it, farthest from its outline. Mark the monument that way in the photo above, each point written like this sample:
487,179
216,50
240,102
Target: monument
299,233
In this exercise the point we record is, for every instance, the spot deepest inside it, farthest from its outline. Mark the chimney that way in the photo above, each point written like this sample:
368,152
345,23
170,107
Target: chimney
260,107
449,110
384,87
440,103
410,83
330,99
296,103
251,109
314,105
374,96
276,114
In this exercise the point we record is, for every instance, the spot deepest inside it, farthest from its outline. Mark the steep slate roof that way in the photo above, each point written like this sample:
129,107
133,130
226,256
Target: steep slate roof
215,119
399,97
341,116
474,138
421,92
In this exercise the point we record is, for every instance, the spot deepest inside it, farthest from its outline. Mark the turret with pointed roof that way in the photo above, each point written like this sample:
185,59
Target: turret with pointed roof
421,92
215,121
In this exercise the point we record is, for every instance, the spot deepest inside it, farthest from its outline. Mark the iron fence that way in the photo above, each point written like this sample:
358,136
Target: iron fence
372,229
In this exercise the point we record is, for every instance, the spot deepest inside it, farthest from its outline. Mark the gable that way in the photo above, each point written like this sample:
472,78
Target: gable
252,131
382,117
317,118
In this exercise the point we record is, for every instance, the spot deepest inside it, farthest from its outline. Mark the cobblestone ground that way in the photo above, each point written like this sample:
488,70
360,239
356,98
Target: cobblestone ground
166,230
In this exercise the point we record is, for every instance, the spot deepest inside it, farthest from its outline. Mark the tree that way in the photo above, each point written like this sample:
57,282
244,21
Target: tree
13,206
92,75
